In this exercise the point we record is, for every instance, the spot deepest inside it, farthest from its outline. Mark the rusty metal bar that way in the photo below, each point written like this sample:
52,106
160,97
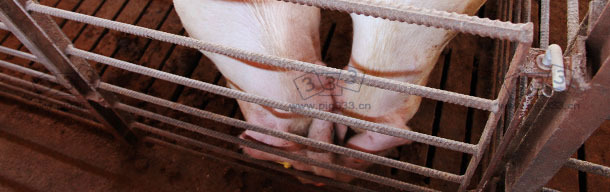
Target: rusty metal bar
235,155
528,11
41,35
595,9
509,85
588,167
170,135
598,45
383,83
51,109
559,133
545,11
272,150
46,98
309,112
284,135
511,131
17,53
3,26
573,20
428,17
39,88
27,71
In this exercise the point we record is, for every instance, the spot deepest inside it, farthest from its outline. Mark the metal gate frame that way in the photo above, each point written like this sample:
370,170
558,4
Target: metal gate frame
554,135
540,140
30,22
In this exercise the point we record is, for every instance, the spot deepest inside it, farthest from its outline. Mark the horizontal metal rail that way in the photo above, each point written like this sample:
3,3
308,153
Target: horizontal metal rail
85,119
284,135
3,26
165,134
238,156
43,37
42,97
37,87
271,150
429,17
17,53
309,112
27,71
242,124
139,125
588,167
392,85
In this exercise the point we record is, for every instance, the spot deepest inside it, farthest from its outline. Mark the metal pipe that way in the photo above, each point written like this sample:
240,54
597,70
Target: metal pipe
43,37
235,155
513,128
271,150
39,105
573,20
3,26
47,90
528,11
27,71
48,99
588,167
309,112
428,17
511,76
40,88
545,6
18,53
392,85
284,135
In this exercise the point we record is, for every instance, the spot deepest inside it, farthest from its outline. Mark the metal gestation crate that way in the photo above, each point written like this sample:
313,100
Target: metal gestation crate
31,24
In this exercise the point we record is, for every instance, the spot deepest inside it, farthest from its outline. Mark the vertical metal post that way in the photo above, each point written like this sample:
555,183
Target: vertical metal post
558,133
545,11
41,35
509,84
573,20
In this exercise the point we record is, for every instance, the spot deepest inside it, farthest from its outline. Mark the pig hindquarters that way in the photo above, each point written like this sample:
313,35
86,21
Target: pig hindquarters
274,28
398,51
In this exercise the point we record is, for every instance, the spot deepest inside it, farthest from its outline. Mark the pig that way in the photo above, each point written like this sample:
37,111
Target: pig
393,50
273,28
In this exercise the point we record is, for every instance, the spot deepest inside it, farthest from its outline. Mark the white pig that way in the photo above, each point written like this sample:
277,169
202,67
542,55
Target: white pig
274,28
398,51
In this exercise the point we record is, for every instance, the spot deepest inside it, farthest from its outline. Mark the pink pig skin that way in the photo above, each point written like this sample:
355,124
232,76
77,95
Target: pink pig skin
273,28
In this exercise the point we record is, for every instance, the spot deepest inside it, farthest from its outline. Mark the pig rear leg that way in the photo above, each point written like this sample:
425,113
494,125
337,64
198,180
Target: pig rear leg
322,131
370,142
340,132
